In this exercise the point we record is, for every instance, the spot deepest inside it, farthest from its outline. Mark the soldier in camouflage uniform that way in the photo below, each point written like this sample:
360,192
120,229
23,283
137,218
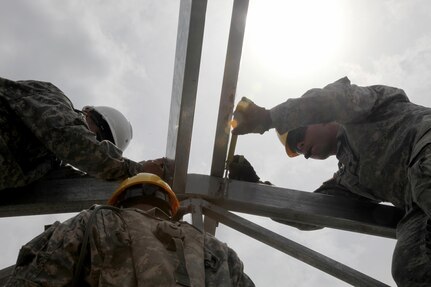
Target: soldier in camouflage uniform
382,142
39,127
133,243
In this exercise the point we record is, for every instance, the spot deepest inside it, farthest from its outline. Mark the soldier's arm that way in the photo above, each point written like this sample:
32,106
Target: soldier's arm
51,117
331,187
50,258
236,270
340,102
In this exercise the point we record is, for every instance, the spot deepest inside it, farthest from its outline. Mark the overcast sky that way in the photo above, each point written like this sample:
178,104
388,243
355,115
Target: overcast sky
121,53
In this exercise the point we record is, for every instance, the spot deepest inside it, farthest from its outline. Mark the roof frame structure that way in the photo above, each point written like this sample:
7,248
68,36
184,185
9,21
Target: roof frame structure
72,193
291,248
212,195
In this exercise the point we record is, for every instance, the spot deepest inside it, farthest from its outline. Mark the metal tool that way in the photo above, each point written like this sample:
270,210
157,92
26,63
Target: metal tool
242,105
230,153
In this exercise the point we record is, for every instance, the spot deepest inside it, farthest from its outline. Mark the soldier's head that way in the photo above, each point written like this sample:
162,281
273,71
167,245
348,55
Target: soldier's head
109,124
145,191
317,141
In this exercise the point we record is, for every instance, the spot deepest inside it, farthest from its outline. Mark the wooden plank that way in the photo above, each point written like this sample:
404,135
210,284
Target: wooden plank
297,206
290,247
186,75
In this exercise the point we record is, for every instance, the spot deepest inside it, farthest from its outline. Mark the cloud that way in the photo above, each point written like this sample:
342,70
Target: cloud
409,70
122,54
36,42
404,9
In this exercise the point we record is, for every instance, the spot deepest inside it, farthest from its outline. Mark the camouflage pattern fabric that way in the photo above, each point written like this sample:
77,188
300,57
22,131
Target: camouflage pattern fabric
420,180
381,131
39,125
411,262
124,251
384,154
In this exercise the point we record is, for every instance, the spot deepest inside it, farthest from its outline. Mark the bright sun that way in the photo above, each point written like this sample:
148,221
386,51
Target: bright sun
291,37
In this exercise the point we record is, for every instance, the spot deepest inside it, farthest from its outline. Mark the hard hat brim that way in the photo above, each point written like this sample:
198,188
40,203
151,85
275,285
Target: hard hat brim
290,153
283,139
151,179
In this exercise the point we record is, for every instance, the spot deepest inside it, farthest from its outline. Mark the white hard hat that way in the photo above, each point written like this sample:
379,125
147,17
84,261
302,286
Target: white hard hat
121,128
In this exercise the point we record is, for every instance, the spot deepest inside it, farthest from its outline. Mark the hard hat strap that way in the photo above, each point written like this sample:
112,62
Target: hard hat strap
147,193
145,190
104,132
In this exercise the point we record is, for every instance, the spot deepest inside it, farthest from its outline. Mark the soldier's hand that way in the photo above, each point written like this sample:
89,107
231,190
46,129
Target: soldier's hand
241,169
163,167
153,166
250,118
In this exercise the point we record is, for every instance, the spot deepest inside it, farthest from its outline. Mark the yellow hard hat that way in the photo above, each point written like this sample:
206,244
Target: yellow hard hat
150,179
283,140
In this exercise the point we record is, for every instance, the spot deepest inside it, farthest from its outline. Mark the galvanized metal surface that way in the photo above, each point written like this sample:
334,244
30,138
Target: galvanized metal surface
230,79
287,246
297,206
190,33
74,194
227,97
197,217
62,192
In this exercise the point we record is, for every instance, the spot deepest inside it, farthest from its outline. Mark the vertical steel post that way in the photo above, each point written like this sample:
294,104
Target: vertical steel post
190,33
227,97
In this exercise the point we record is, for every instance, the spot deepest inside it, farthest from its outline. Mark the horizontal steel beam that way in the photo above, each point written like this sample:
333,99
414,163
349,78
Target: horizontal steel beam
287,246
296,206
60,195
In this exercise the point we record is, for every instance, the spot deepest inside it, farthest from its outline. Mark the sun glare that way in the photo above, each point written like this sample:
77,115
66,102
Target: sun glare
293,37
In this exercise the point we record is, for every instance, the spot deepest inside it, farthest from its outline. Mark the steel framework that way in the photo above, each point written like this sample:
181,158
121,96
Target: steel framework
212,195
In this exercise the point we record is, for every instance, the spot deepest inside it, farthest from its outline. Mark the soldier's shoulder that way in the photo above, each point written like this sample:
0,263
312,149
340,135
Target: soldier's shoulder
39,85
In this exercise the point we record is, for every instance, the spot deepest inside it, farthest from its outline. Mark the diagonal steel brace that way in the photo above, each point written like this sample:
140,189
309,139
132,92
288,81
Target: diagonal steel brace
298,251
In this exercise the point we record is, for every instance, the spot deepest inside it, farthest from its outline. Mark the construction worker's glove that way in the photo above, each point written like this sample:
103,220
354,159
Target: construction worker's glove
241,169
250,118
163,167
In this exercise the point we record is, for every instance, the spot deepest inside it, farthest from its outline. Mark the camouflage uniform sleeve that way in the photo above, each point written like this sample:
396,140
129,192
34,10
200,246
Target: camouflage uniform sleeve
332,187
236,269
51,117
50,258
339,101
